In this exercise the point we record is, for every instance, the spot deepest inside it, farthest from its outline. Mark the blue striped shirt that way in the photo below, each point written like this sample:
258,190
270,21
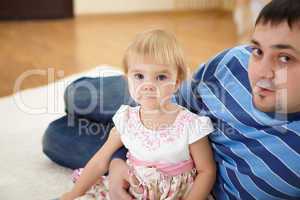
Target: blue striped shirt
257,153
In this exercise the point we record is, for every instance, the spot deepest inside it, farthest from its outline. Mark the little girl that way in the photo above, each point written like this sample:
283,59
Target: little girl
168,151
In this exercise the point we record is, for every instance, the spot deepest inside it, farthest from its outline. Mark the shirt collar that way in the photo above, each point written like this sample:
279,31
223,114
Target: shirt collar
284,116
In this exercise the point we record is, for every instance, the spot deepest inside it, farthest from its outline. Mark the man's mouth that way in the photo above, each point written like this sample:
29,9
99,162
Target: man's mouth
263,91
264,88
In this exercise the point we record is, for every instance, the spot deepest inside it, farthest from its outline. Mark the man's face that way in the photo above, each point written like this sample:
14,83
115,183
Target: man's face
274,68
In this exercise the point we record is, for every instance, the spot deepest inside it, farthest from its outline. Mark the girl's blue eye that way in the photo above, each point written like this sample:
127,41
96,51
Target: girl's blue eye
161,77
139,76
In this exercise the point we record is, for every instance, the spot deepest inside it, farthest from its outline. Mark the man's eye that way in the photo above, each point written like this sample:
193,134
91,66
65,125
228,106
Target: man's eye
138,76
256,52
161,77
284,59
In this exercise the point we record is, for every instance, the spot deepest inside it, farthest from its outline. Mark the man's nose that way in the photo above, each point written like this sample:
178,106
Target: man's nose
266,69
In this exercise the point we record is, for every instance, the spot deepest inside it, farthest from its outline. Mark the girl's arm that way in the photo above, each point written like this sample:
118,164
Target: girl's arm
118,180
202,156
96,167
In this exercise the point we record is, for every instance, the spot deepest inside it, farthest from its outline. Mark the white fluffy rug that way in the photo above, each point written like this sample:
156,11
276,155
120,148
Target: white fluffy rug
26,173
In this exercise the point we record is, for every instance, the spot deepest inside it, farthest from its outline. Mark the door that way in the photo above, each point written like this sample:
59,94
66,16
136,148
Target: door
35,9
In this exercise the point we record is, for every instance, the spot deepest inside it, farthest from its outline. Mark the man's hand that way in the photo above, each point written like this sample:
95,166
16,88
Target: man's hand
118,180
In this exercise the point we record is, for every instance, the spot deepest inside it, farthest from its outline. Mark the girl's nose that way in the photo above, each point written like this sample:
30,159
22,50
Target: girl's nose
149,87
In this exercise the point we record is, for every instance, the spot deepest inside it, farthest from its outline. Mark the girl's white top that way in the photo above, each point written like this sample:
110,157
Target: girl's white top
165,145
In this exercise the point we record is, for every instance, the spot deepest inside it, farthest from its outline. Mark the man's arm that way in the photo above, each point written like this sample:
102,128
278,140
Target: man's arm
189,95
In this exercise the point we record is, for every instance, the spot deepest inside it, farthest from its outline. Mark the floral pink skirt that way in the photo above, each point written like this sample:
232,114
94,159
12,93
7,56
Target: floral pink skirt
152,185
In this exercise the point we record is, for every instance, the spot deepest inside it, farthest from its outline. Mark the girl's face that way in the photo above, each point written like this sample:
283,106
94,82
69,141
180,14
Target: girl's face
152,85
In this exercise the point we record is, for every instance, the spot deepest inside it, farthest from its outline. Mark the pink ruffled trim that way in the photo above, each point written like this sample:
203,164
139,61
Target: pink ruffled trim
153,141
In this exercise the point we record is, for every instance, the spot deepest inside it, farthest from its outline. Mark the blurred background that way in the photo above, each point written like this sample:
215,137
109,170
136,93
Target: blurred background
71,36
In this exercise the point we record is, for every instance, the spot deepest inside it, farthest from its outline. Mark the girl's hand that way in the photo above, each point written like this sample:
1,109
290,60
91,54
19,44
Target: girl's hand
118,180
68,196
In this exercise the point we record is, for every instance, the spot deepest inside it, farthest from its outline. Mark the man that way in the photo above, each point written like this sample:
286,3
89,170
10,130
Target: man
252,95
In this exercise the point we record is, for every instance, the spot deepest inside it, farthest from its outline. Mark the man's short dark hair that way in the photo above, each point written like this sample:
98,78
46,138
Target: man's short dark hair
279,11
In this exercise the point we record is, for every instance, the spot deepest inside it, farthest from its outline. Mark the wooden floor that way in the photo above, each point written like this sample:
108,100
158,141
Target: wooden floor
75,45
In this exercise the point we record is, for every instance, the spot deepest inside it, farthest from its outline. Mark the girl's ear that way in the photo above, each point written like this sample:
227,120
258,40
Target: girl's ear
126,75
178,83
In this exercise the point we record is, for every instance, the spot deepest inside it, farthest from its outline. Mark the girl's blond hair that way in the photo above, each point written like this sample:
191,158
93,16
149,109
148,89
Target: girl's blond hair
158,45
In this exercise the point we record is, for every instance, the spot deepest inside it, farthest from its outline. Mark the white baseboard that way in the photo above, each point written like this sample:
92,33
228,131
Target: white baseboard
126,6
121,6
